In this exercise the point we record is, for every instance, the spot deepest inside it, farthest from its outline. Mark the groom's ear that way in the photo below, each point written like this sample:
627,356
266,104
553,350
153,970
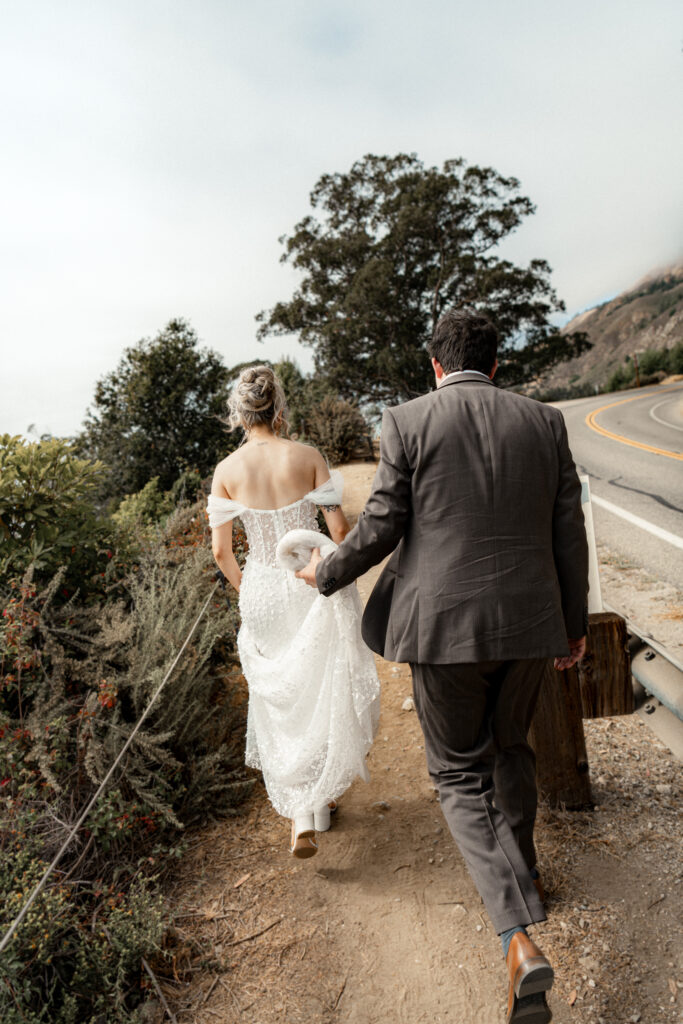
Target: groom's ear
438,368
493,370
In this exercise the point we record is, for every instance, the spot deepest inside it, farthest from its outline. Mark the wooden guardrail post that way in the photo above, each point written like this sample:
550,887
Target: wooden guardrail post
558,740
598,687
604,674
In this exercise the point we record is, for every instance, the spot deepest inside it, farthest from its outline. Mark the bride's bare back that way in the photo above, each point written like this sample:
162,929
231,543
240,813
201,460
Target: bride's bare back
269,472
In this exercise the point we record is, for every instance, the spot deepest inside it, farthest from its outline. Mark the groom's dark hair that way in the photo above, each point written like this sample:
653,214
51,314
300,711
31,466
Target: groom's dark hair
464,340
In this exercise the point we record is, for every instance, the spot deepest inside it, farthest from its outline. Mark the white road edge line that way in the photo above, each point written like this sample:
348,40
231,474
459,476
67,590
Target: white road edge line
658,419
670,538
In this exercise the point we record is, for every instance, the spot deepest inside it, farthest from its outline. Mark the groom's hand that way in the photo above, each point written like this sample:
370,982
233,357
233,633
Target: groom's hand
577,649
307,574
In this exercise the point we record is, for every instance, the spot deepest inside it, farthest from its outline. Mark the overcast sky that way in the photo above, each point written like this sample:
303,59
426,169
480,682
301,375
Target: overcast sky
153,151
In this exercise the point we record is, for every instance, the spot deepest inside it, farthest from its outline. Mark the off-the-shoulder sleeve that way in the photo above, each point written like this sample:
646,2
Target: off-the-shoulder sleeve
222,510
331,492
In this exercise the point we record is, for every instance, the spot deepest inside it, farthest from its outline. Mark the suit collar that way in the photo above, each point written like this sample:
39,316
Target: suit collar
465,376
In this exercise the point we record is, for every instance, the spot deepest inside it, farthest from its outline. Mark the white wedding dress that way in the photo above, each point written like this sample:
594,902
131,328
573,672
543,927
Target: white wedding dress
313,686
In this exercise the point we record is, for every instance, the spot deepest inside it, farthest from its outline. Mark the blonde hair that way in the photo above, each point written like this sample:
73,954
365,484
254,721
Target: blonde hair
258,398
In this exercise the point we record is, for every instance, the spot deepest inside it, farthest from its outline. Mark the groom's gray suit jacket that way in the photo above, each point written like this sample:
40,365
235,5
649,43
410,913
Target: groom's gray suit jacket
477,495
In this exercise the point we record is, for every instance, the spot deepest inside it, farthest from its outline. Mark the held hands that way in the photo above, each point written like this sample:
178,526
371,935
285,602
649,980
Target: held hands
577,649
307,574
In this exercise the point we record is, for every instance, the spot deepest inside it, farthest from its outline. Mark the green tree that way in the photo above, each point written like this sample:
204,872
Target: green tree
304,393
159,413
395,245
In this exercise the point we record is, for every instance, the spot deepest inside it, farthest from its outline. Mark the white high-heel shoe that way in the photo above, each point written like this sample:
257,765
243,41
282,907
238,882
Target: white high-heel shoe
303,836
321,816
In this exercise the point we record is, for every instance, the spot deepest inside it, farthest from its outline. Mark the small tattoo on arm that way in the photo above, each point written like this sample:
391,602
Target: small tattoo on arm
330,508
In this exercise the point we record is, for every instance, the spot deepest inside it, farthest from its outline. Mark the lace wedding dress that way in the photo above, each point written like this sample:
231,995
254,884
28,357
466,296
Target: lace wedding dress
313,687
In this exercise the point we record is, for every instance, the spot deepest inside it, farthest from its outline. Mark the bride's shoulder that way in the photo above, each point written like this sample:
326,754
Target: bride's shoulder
302,458
328,484
240,461
306,453
229,460
224,473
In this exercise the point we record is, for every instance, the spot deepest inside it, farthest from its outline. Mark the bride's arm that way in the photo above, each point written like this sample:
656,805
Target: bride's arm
381,524
337,523
221,544
221,541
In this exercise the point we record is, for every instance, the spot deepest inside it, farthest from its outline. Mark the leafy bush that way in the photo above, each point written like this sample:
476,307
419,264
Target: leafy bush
73,960
48,519
74,679
652,361
149,506
674,363
561,392
653,365
623,377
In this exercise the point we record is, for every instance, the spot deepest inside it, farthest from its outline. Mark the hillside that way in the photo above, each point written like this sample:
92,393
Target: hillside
648,315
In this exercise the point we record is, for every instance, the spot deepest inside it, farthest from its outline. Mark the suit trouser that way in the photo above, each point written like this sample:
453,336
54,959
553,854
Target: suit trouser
475,717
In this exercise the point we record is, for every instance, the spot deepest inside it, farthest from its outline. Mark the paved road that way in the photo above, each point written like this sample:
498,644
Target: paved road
631,446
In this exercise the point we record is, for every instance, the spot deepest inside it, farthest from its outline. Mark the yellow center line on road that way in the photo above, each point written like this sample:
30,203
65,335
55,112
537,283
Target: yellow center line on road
590,420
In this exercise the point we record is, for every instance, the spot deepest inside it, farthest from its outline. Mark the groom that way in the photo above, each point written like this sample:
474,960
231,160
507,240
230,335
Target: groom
477,496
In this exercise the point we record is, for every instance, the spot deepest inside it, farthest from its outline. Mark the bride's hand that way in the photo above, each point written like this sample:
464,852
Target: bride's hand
307,574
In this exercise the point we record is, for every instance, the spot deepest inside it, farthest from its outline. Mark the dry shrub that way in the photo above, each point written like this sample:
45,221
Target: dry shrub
338,429
75,677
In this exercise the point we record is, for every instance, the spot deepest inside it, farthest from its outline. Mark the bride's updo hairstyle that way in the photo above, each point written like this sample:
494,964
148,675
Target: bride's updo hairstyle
258,399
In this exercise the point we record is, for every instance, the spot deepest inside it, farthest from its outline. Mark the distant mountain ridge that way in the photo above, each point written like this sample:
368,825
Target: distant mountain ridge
647,315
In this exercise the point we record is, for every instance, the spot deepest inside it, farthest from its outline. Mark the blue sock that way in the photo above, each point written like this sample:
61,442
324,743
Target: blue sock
506,937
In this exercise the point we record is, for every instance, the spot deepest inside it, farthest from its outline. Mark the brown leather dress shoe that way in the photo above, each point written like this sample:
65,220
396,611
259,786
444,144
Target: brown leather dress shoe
531,976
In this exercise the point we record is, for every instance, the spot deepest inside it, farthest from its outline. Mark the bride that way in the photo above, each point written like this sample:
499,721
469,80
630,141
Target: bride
313,687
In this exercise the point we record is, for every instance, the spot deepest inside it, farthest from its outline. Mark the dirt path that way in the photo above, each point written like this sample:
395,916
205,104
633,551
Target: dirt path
383,925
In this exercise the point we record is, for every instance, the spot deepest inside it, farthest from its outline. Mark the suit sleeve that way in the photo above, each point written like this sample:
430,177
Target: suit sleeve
570,547
382,522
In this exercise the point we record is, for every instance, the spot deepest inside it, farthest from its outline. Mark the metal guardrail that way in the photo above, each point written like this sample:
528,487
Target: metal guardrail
657,670
660,678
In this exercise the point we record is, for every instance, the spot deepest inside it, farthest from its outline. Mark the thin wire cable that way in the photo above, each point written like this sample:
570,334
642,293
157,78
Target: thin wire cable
24,910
